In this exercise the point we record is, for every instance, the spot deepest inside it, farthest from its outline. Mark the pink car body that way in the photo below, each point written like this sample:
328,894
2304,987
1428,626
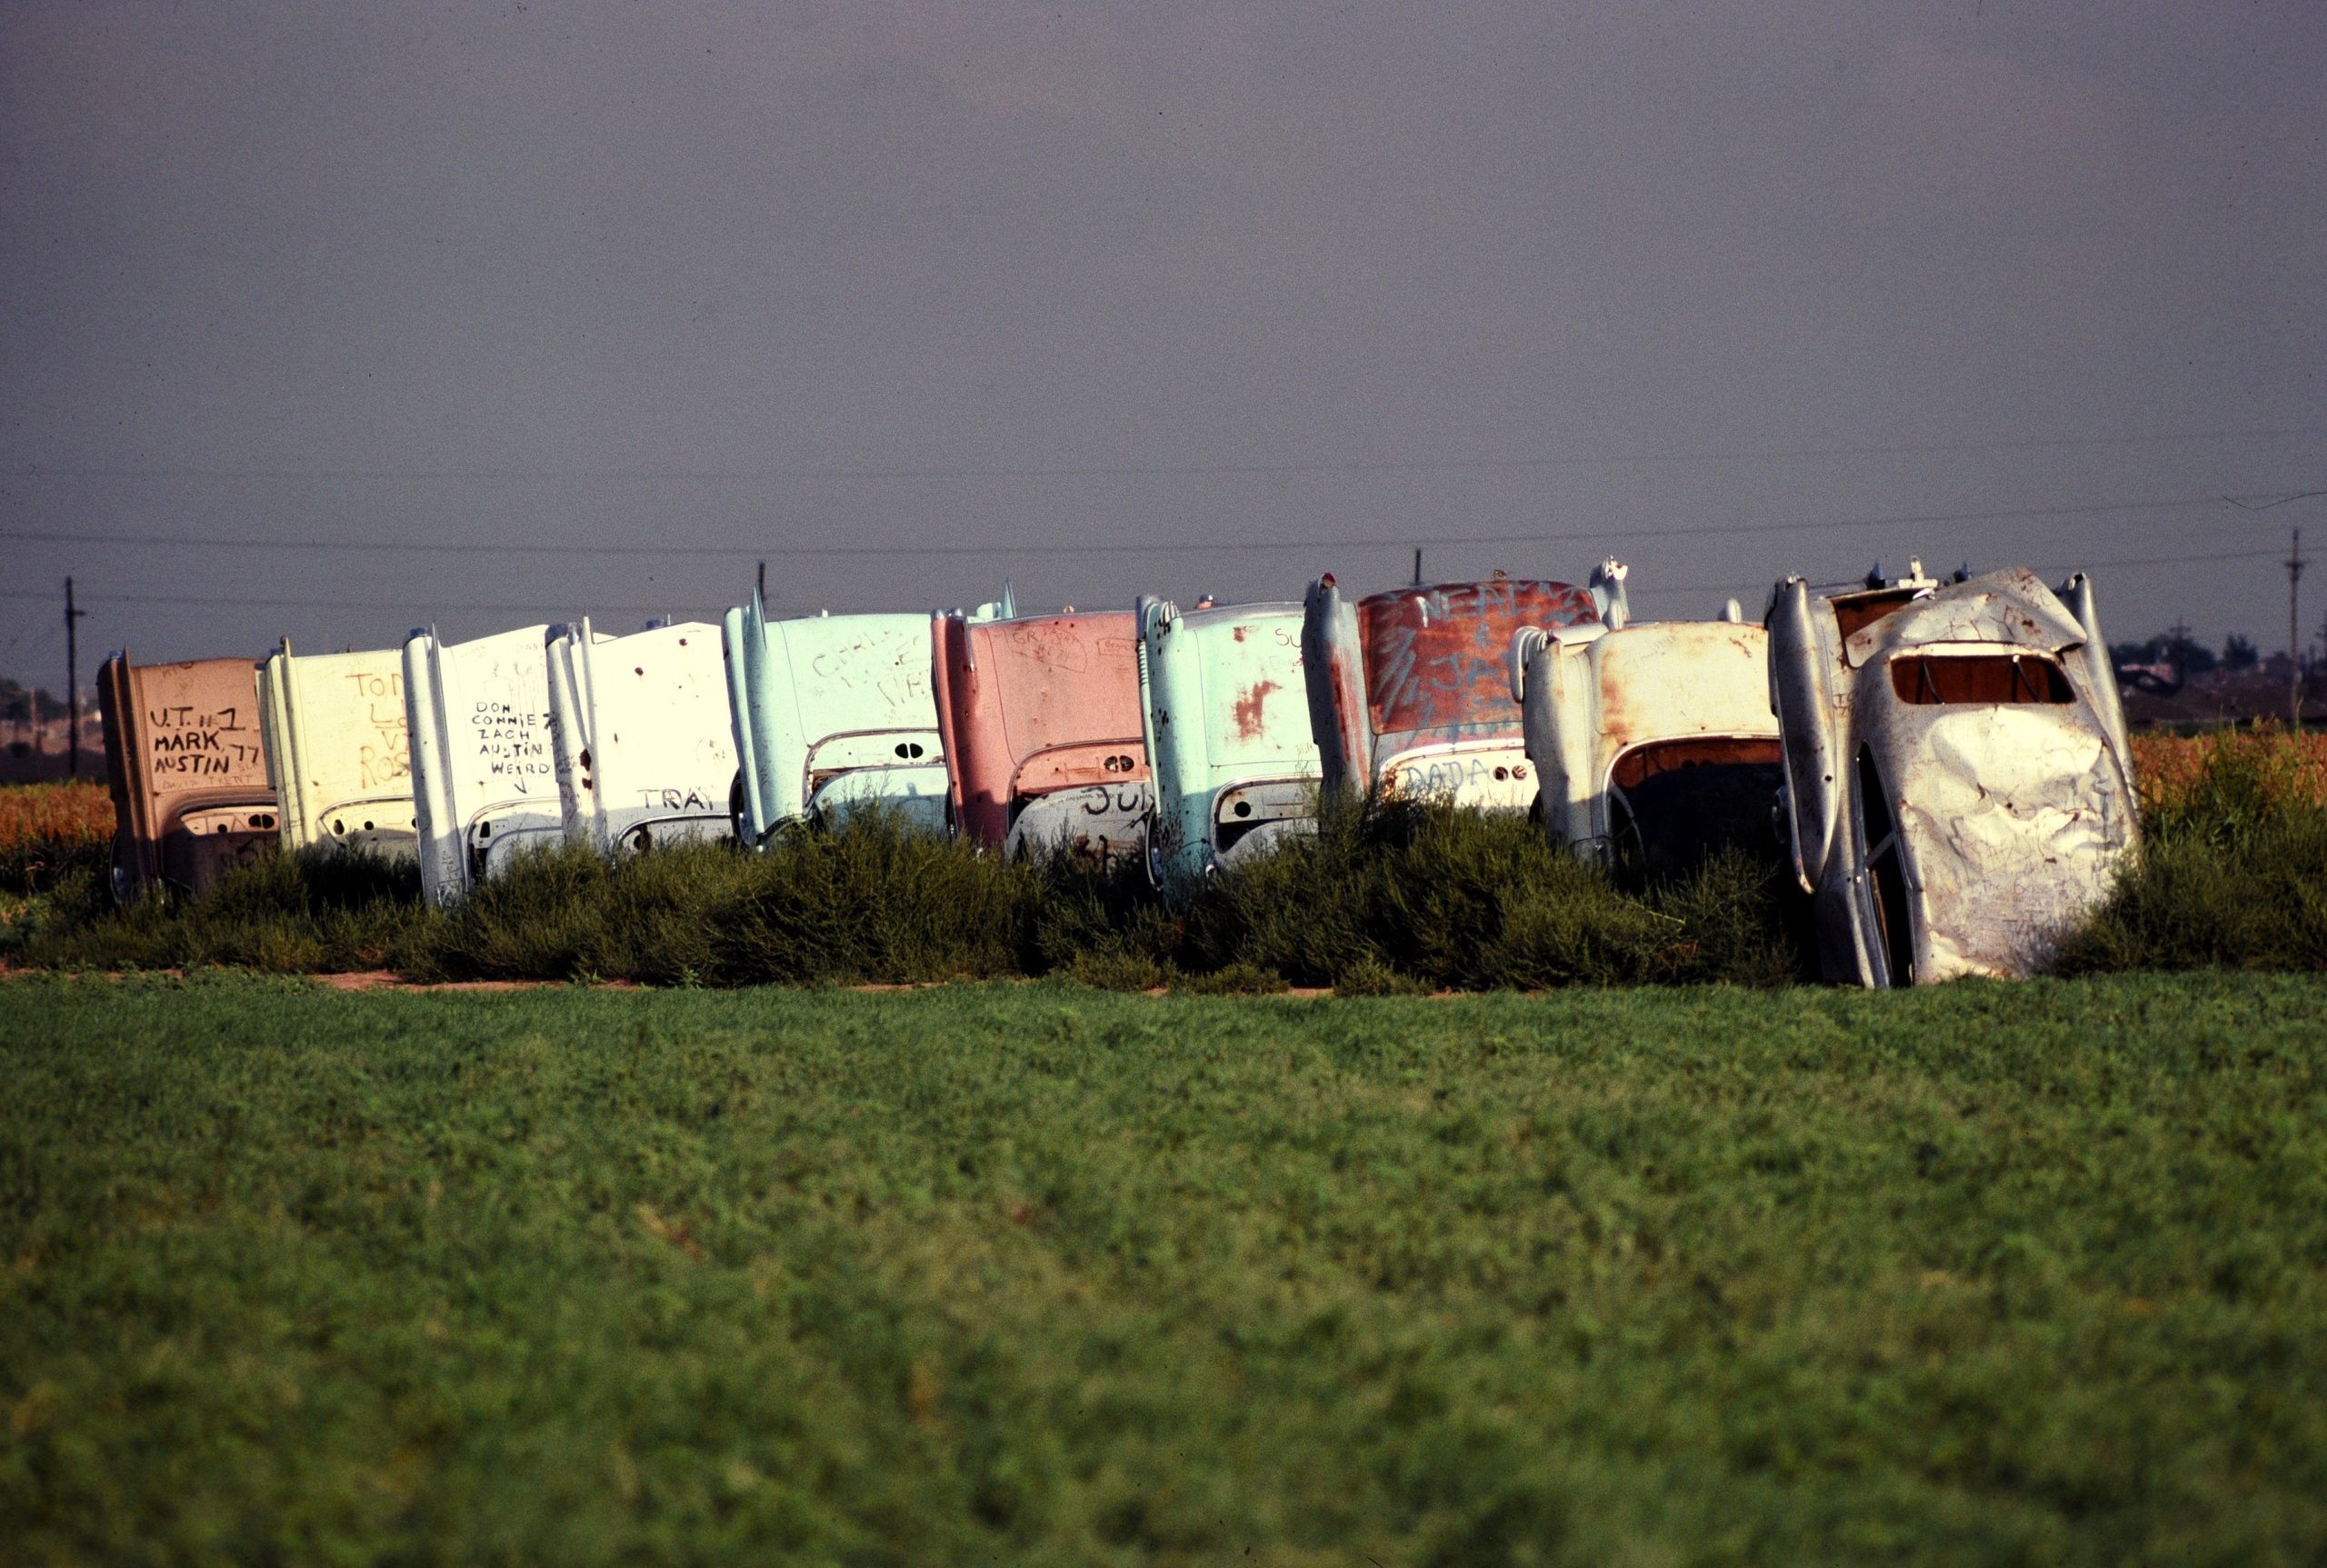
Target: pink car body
1039,719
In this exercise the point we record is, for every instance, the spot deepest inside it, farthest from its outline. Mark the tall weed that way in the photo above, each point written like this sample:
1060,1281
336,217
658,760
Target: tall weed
53,832
2232,868
874,901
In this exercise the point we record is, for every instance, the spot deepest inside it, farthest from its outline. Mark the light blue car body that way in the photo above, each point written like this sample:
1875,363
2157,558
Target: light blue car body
1236,767
831,712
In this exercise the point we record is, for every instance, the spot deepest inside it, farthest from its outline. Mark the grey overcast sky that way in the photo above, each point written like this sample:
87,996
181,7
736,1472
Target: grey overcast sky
584,308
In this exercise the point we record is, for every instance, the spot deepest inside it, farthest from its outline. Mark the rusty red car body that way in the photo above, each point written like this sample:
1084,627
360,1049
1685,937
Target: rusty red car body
1408,688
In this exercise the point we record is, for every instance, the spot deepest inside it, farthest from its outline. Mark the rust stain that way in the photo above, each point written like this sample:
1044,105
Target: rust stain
1247,710
1433,656
1239,633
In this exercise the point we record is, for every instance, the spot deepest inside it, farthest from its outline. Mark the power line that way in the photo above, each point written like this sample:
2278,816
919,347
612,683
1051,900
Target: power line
1193,470
1150,547
238,600
2264,503
544,606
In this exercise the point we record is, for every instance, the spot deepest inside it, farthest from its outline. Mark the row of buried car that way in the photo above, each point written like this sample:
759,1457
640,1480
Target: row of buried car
1947,760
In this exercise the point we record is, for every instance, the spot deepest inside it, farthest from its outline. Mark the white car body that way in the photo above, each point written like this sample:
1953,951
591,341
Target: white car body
641,735
483,768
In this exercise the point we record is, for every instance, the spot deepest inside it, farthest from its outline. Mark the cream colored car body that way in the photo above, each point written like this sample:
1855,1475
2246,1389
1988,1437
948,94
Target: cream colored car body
1481,775
337,740
1652,740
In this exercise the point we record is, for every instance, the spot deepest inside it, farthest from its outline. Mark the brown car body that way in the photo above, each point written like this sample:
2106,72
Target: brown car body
191,798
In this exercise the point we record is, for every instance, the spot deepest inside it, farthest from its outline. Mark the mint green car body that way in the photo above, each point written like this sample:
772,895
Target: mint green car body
1236,767
831,712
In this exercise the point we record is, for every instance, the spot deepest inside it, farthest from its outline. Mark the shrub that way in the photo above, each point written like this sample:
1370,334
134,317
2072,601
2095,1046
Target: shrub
875,901
1460,900
324,911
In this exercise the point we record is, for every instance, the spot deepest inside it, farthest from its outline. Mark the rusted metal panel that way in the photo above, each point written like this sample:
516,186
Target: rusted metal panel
1039,717
191,794
1959,788
1236,765
338,746
831,712
644,746
483,763
1654,742
1409,687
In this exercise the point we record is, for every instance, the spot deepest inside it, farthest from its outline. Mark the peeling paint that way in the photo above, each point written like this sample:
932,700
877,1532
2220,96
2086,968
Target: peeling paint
1247,710
1408,687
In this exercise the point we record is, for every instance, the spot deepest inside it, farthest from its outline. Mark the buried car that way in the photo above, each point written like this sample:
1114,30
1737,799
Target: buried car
191,798
640,735
1408,689
1039,717
1958,783
1654,742
484,773
338,748
830,711
1235,765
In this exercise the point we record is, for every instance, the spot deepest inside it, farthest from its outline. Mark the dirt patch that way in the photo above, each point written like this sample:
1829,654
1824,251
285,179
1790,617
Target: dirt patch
389,980
364,980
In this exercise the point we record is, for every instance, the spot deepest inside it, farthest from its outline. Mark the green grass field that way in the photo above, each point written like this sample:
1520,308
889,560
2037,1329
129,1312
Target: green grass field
1036,1274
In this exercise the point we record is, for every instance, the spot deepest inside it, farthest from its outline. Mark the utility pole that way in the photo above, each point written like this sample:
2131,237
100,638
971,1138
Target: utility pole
1417,565
762,582
2294,636
72,681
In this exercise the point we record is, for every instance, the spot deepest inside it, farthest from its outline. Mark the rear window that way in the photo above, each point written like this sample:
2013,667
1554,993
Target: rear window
1860,611
1641,763
1979,678
1677,803
1434,656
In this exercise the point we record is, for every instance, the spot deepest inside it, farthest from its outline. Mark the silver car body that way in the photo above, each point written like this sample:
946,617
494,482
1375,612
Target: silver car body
1958,783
